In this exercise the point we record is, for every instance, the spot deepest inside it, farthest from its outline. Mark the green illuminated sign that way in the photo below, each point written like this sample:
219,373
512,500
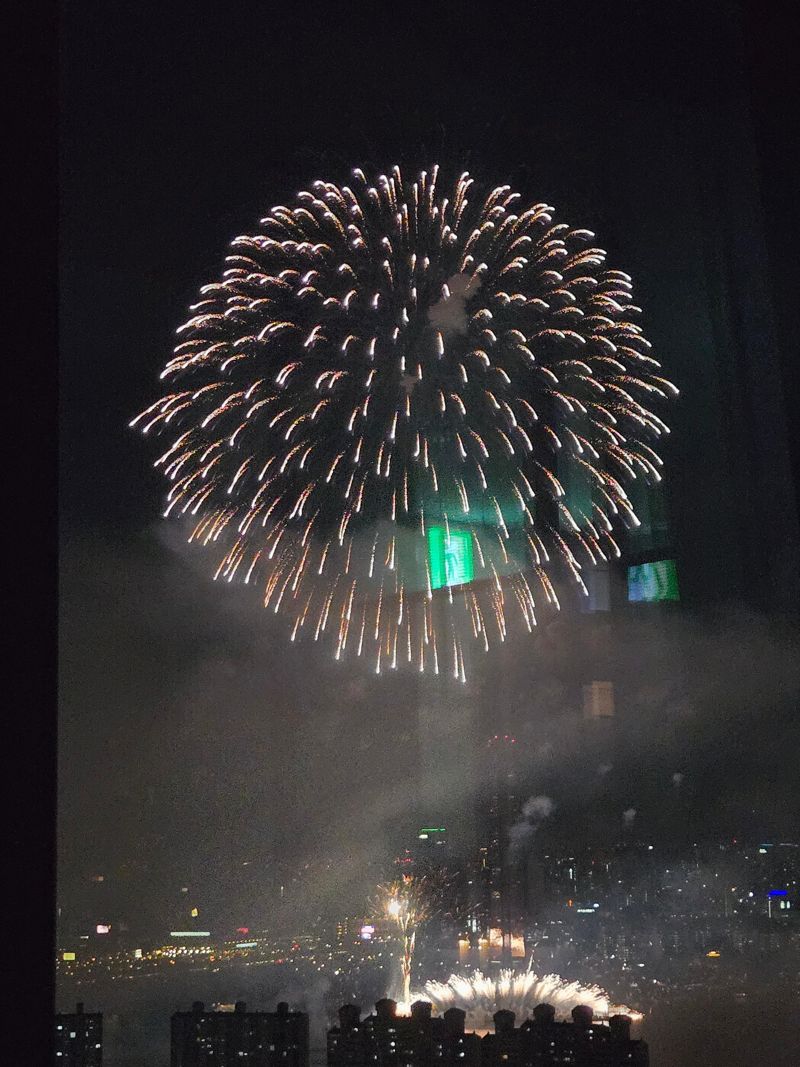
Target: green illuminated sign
450,557
649,582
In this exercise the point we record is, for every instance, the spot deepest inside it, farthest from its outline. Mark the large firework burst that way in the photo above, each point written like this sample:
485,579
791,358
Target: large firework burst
480,996
380,412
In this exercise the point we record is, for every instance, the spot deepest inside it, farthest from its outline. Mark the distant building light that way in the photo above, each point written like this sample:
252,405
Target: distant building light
366,932
103,928
246,944
598,700
423,837
449,556
194,913
713,954
137,953
68,957
777,893
190,933
242,929
651,582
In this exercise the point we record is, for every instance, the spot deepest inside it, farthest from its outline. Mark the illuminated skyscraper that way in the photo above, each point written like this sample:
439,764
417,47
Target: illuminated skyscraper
501,823
447,712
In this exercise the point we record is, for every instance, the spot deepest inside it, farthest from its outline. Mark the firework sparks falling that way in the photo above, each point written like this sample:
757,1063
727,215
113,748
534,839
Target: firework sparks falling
481,996
388,359
407,902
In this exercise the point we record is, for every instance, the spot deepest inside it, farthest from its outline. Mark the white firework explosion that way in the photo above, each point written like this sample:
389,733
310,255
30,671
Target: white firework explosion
480,996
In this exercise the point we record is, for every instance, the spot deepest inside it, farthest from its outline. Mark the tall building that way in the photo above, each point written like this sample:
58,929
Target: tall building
447,741
225,1038
722,527
79,1038
503,828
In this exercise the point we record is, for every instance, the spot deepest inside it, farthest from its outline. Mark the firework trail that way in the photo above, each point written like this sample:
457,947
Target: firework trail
374,411
408,902
481,996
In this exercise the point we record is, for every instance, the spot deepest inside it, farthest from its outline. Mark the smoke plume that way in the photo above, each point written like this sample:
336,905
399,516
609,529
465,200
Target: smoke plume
449,315
534,811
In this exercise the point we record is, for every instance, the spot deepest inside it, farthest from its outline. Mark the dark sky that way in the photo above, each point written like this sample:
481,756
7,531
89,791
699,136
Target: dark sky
185,715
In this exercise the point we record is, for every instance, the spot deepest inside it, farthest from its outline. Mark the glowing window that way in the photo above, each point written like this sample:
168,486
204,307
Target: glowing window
450,557
650,582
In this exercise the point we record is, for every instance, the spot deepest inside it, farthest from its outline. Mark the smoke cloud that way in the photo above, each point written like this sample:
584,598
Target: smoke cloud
534,811
449,315
538,808
160,666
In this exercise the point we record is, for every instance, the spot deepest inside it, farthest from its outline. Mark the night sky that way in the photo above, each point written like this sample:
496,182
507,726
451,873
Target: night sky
190,728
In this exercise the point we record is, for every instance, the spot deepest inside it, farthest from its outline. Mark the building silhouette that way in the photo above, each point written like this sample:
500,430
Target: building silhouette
79,1038
543,1042
385,1038
225,1038
388,1040
500,814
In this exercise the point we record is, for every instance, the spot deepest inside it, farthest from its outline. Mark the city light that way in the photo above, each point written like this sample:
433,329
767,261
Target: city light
651,582
450,557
